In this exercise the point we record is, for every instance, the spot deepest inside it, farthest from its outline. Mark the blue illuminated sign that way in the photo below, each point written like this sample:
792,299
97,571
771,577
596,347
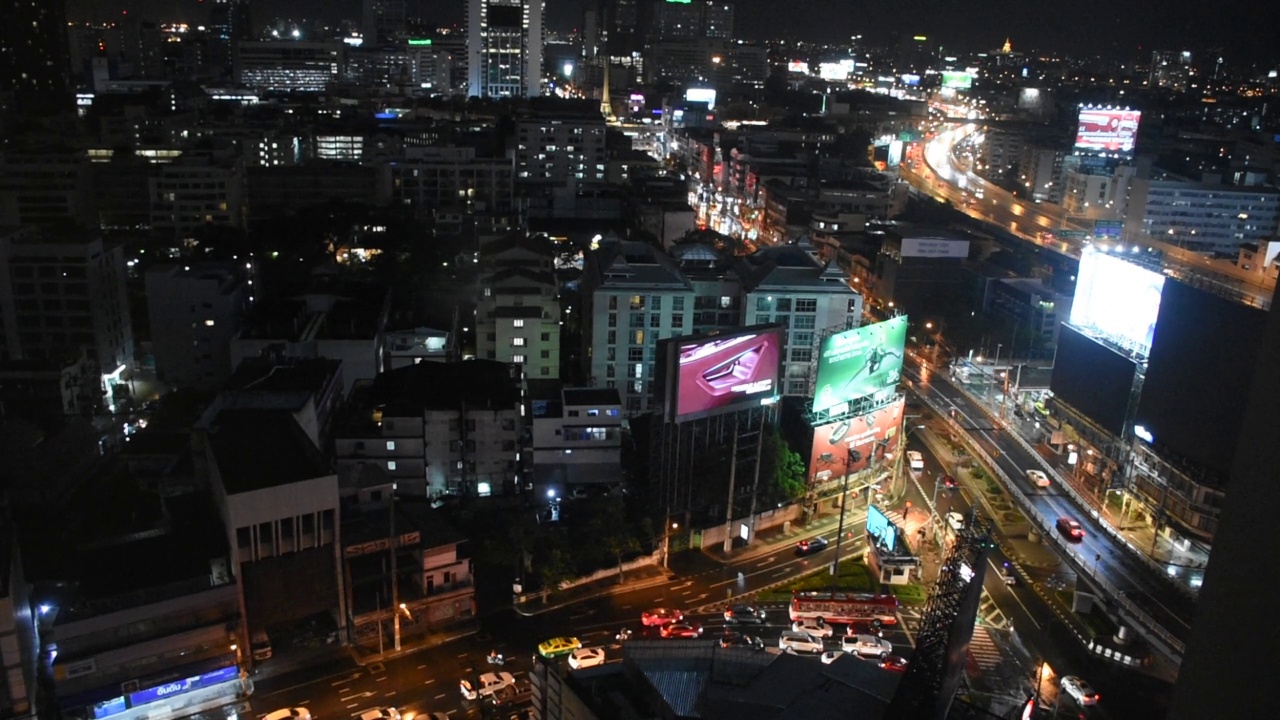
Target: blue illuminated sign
106,708
178,687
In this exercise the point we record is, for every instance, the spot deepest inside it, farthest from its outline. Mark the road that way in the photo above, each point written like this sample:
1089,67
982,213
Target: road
1099,551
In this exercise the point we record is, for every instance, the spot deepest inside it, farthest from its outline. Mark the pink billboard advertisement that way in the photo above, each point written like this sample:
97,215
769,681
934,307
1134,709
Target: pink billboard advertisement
867,434
722,373
1107,130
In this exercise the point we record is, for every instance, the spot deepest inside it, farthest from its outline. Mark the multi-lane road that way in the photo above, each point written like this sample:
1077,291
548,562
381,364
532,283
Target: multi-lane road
1099,552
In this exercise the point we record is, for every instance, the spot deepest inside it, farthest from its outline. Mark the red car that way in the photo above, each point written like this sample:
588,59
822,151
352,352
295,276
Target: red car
1071,529
948,482
681,630
659,617
896,663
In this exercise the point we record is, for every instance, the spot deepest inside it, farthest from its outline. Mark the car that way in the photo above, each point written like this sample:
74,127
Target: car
866,646
949,482
382,713
737,639
1008,576
955,521
488,684
514,694
830,656
793,641
658,617
874,626
298,713
586,657
681,630
1038,478
915,460
896,663
813,627
1080,691
743,615
812,545
555,647
1071,529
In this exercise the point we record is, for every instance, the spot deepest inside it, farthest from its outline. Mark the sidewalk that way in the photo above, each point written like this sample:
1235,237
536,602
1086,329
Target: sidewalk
417,643
645,576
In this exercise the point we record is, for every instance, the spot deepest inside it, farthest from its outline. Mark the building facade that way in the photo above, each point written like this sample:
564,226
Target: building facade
195,311
504,48
518,312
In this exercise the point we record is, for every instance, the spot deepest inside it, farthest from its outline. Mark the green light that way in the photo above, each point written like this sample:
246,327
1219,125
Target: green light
680,2
419,41
920,38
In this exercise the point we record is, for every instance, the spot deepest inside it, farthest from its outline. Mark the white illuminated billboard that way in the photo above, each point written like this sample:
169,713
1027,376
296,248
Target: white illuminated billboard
701,95
1107,130
1117,300
798,66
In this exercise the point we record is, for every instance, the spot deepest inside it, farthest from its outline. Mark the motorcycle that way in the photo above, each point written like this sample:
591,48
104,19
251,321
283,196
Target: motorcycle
623,635
495,658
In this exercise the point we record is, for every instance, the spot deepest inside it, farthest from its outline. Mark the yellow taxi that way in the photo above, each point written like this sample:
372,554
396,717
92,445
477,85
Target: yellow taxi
555,647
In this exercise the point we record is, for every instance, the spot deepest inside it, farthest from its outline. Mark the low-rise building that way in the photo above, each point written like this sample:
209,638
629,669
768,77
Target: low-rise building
195,310
577,437
518,313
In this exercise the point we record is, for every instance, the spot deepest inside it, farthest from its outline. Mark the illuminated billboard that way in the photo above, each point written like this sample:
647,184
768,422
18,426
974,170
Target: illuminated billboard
798,66
862,363
725,372
701,95
835,70
1107,130
957,80
873,437
880,527
1117,300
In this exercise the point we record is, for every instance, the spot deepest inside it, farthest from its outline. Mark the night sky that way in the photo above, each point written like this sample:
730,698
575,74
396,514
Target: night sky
1245,29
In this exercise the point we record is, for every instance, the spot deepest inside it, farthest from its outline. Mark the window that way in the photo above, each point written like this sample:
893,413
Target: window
784,304
637,338
518,322
655,302
853,305
802,339
637,302
544,371
391,465
517,342
635,354
518,359
611,355
807,305
637,320
613,319
762,319
609,371
546,354
677,303
677,320
546,337
613,302
612,338
391,444
803,322
801,354
764,304
655,320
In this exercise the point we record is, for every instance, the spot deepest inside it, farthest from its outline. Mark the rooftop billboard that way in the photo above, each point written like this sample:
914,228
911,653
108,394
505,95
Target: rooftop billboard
860,363
724,372
1093,379
1117,299
874,437
957,80
1107,130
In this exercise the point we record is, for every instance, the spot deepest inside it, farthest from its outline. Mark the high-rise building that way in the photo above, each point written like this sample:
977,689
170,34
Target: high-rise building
383,21
33,46
717,20
504,48
195,310
694,19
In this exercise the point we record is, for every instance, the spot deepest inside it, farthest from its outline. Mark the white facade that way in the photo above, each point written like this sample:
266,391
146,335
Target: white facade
1205,218
288,65
504,48
195,311
577,438
560,150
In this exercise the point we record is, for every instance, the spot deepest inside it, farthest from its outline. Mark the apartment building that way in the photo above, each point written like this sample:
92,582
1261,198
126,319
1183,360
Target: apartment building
195,191
195,310
44,188
577,437
560,149
518,312
1202,217
434,179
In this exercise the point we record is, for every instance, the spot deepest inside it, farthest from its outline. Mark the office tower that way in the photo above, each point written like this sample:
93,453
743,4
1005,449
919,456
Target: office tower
590,34
383,21
33,46
678,19
626,16
504,48
717,20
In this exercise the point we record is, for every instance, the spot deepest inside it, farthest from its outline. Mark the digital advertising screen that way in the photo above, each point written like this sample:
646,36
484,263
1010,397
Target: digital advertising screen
1117,299
1107,130
1093,379
1202,364
798,66
957,80
873,436
722,373
881,528
859,363
701,95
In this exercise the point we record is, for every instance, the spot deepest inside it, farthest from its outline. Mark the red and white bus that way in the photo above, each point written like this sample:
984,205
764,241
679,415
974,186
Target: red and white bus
844,608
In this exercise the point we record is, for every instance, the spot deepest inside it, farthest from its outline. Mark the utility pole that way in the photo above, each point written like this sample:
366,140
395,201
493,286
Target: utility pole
755,480
395,585
850,459
733,474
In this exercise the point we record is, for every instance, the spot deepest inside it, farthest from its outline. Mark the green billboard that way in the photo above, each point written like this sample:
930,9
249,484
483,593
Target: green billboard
860,363
957,80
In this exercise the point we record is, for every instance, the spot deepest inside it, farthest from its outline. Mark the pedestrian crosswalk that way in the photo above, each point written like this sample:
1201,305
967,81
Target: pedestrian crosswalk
896,518
983,650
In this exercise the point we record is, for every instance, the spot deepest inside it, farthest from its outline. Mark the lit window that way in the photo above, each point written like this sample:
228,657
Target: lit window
517,323
517,358
517,342
391,444
391,464
208,323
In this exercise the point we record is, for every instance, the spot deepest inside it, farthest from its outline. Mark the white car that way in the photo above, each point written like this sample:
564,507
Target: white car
813,627
915,461
955,521
866,646
1037,478
793,641
586,657
830,656
1079,690
380,714
289,714
488,684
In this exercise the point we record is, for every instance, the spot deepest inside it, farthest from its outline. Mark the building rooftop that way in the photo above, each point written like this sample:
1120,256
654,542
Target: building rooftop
413,389
310,376
362,524
596,397
257,449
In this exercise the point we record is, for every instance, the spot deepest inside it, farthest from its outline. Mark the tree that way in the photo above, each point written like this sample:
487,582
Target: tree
610,530
553,567
781,469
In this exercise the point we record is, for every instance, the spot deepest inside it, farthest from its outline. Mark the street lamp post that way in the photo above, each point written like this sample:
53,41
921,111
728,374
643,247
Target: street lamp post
853,457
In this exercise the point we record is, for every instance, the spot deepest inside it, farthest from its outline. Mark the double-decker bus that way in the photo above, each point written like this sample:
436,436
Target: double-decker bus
844,608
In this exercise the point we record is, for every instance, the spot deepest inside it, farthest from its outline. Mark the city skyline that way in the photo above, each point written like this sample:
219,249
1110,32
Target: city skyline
1242,32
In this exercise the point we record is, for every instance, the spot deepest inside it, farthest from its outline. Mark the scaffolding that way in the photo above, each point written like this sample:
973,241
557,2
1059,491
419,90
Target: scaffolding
937,667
